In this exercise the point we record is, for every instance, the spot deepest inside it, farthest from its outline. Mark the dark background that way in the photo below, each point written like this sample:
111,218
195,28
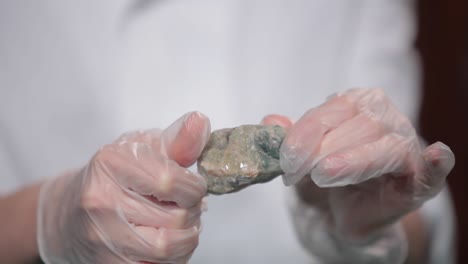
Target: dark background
443,44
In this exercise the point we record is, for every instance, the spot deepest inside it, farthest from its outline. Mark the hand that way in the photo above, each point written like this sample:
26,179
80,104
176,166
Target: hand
135,202
369,157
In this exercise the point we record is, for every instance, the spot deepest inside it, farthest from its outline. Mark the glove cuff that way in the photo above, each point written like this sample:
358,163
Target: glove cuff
51,217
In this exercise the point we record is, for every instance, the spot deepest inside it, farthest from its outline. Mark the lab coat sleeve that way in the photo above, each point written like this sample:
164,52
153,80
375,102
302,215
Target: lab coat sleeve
439,221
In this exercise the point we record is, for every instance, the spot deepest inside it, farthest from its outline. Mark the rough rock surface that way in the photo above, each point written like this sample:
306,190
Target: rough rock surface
235,158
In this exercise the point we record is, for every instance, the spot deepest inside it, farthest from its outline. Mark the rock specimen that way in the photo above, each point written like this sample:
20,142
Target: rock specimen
235,158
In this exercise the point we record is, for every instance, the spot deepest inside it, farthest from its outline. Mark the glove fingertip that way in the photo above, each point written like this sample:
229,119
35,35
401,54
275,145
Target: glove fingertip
278,120
440,158
290,179
292,157
185,139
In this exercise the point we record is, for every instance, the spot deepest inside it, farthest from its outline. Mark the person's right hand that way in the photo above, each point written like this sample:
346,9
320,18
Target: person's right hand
135,202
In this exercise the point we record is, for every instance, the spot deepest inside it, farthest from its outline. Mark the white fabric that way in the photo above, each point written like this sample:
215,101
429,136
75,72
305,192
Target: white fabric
76,74
439,217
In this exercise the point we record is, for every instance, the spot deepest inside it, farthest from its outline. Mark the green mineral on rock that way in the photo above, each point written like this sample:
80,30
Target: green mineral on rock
235,158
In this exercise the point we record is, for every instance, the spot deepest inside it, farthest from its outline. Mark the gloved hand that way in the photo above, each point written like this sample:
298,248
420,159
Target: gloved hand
135,202
368,156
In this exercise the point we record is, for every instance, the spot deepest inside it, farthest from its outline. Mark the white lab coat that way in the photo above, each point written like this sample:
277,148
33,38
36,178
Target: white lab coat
76,74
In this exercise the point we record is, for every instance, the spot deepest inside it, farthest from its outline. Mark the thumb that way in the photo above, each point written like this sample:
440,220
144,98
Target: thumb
439,161
185,139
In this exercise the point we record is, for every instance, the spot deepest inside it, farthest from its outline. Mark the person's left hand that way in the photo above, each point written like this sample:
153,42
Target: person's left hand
368,155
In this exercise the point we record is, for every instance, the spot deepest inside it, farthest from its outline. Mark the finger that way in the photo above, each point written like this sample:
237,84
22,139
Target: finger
185,139
162,245
356,131
133,206
110,237
139,209
149,211
137,167
177,184
304,137
277,120
390,154
439,160
375,104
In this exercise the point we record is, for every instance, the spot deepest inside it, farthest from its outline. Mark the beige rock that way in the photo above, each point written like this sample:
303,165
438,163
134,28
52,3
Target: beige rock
235,158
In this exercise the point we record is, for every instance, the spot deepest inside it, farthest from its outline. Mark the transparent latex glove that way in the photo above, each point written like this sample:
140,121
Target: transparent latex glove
367,169
135,202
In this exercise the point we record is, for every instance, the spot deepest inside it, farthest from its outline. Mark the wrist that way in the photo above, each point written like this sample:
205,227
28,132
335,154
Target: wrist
19,226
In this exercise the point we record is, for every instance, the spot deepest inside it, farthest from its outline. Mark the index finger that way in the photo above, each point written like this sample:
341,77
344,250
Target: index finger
304,137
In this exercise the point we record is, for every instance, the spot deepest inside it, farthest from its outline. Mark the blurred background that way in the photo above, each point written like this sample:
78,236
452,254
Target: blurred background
443,44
